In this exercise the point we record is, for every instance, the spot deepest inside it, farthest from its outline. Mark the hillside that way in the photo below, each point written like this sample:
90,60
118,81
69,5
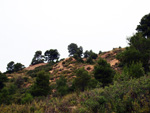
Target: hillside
116,81
68,66
121,96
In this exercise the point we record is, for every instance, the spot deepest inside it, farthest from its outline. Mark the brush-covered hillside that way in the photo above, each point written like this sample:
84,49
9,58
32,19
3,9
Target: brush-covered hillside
116,81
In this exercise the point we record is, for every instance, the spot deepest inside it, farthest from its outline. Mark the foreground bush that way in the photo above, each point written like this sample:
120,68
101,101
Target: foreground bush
124,97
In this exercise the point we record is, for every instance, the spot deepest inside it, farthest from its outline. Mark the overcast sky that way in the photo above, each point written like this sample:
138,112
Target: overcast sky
30,25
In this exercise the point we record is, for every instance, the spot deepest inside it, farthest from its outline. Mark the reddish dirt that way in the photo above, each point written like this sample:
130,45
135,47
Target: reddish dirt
114,62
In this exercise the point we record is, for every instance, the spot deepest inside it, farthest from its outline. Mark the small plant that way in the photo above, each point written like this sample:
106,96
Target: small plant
27,98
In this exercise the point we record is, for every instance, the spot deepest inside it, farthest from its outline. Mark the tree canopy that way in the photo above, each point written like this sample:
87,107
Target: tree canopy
139,49
144,26
38,58
75,51
52,55
12,67
91,54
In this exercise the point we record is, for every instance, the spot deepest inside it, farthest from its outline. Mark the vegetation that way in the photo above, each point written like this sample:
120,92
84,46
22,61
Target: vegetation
12,67
103,72
144,26
41,86
61,86
51,55
3,79
139,49
93,86
38,58
82,79
75,51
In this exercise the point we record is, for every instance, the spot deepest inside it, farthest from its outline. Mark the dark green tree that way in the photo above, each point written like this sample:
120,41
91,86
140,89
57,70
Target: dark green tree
129,55
103,72
91,54
3,78
72,49
61,86
89,60
38,58
18,67
75,51
52,55
41,86
139,49
144,26
82,79
10,67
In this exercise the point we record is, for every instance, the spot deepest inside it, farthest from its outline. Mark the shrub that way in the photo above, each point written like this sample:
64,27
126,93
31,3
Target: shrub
89,60
41,86
27,98
5,98
103,72
135,70
82,79
61,86
19,82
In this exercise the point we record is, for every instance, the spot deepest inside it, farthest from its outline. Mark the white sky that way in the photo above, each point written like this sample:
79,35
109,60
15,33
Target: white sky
30,25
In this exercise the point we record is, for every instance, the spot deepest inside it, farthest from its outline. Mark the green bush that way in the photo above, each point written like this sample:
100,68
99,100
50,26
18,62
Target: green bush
82,80
27,98
135,70
103,72
5,98
41,86
61,86
89,60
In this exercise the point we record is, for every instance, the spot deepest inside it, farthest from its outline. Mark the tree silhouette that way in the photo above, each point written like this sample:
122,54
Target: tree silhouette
75,51
103,72
10,67
144,26
52,55
38,58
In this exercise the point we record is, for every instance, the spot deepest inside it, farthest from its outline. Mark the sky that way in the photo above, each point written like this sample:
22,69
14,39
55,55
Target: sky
30,25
